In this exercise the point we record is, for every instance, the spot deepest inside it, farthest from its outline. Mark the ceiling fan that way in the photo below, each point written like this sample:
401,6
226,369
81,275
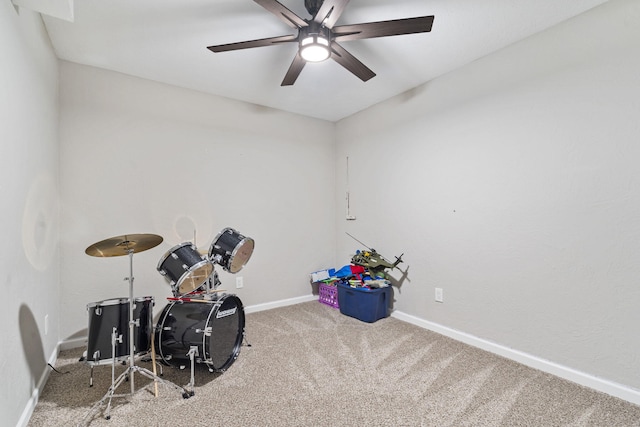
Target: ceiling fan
318,37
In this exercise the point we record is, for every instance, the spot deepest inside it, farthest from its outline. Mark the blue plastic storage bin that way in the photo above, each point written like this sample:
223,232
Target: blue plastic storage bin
364,304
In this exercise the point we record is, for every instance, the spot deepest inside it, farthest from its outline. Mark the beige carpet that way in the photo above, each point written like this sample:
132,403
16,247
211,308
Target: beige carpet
311,366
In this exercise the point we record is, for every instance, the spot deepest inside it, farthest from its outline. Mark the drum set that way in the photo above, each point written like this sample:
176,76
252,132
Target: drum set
201,324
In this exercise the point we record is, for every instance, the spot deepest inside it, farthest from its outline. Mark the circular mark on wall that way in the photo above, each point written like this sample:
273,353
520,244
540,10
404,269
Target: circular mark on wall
185,227
40,223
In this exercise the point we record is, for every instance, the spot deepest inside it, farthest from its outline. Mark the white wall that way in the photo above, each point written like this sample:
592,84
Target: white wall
510,183
513,184
143,157
29,256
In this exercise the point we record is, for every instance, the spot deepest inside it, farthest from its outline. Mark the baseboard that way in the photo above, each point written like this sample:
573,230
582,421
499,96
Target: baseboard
35,394
599,384
281,303
73,343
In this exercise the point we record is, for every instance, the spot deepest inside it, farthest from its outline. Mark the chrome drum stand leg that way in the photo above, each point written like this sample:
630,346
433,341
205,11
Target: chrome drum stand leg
193,352
114,338
244,338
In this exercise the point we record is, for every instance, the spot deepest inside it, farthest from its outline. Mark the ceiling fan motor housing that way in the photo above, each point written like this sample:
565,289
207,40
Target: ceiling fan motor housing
313,6
315,41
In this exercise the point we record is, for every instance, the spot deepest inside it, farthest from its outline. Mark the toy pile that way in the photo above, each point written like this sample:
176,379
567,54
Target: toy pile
367,269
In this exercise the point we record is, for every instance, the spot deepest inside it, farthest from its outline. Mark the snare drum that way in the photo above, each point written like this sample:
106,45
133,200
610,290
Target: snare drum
214,328
231,250
114,313
184,268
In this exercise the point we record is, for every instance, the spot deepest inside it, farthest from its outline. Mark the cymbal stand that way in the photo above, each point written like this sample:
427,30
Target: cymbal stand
128,373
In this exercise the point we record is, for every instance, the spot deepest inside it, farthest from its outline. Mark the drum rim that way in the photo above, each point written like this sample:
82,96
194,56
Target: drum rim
172,250
120,300
235,352
176,288
108,302
160,327
237,249
243,240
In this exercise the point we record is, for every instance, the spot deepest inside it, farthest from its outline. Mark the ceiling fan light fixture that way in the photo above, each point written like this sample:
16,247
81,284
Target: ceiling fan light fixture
319,39
314,48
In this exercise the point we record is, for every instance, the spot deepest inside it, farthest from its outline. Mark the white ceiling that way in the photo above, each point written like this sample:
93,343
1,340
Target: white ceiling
165,41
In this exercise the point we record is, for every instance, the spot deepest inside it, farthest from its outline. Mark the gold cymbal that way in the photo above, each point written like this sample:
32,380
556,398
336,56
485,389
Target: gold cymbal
123,245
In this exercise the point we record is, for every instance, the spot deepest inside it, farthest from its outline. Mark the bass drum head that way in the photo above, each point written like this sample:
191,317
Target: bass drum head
215,328
227,332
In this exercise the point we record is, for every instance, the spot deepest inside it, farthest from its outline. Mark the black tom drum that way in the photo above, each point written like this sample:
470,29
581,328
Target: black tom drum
215,328
231,250
184,268
114,313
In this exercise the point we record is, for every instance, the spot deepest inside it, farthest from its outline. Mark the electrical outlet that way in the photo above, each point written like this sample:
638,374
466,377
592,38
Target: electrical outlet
439,295
239,282
46,324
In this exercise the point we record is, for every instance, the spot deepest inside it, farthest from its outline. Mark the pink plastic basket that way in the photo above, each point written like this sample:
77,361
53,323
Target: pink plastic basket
328,294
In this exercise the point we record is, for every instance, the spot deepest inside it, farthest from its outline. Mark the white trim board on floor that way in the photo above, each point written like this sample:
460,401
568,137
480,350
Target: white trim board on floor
281,303
35,393
599,384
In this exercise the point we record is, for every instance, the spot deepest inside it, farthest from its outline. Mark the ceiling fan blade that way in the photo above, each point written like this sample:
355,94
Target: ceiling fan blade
350,62
329,12
281,11
395,27
294,71
252,43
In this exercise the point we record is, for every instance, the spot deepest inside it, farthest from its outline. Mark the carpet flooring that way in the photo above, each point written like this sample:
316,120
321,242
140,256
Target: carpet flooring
309,365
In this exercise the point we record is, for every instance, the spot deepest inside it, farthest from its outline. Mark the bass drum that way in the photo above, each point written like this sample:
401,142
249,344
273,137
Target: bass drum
114,313
215,328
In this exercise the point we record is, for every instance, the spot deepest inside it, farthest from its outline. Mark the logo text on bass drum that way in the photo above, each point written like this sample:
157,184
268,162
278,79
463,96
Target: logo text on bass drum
226,313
